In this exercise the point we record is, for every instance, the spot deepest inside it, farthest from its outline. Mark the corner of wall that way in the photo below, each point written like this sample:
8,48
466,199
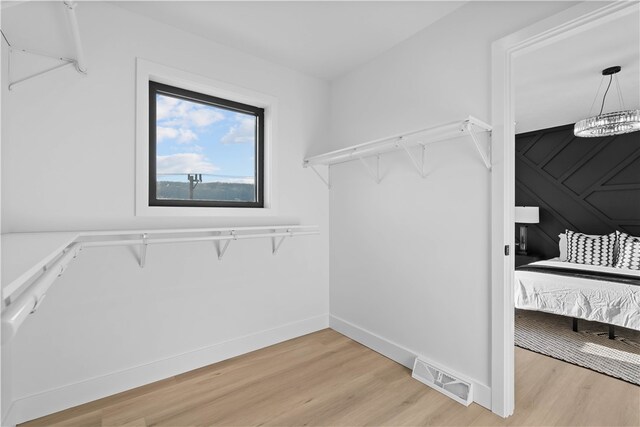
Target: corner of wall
398,353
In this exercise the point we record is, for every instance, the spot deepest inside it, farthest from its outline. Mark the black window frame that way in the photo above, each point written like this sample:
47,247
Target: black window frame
176,92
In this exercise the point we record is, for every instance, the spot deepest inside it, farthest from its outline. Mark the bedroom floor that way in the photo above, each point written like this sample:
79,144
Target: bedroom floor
590,347
326,378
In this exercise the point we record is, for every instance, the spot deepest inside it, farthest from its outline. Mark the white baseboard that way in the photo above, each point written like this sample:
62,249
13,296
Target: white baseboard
55,400
6,420
398,353
48,402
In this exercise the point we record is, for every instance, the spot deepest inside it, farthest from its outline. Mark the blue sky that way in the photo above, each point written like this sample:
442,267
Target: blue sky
198,138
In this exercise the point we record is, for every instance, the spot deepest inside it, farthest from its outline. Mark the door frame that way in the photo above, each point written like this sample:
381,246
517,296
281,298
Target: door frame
579,18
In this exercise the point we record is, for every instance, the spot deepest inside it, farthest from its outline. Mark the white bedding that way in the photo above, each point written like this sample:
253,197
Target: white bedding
598,300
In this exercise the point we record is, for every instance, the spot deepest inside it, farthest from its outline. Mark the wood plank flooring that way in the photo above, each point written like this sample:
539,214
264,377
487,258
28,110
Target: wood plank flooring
327,379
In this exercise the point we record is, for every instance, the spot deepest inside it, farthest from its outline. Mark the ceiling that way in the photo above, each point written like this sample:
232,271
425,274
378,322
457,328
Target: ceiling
557,84
325,39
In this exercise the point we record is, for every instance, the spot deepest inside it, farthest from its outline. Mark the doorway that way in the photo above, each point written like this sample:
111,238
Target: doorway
568,23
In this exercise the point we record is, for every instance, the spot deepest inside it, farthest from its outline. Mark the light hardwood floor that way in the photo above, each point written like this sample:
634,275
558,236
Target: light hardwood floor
327,379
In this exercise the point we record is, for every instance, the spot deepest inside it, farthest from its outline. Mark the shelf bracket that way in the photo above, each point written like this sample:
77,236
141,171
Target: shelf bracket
485,154
78,63
276,246
418,165
226,245
375,174
61,269
37,304
326,181
14,83
143,250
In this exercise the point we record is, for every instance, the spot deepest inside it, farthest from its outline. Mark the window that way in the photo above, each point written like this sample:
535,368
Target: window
204,151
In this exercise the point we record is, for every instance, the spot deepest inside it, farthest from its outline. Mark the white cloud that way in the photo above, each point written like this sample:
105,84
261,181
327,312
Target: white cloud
185,114
163,133
205,116
165,106
186,136
242,132
183,163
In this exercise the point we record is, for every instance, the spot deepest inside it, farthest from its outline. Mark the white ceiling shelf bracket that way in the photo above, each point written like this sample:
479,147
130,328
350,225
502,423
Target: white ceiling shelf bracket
276,245
14,83
486,155
469,126
143,250
25,288
327,180
78,63
375,174
223,250
419,165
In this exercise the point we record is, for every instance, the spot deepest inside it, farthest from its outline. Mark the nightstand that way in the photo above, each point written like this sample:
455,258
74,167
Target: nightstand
527,259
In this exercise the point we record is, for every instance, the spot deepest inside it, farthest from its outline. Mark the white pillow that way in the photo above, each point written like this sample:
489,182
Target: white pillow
562,245
591,249
629,251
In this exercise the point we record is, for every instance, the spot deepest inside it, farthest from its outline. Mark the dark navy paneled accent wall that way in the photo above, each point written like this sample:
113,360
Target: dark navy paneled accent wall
590,185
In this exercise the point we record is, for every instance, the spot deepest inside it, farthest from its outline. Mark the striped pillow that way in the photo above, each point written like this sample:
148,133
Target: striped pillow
628,251
593,250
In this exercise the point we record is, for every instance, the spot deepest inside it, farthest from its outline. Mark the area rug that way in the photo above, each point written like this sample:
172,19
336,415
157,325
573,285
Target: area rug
590,347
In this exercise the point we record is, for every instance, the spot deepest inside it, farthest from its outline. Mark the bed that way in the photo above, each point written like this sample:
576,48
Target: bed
604,294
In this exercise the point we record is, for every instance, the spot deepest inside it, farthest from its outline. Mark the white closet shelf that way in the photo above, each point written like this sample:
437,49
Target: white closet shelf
419,137
32,261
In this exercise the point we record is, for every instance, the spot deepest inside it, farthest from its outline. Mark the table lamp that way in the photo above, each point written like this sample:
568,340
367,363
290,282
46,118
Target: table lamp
525,215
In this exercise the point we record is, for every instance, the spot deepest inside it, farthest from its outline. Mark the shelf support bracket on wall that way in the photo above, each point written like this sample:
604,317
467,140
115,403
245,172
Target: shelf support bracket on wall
276,246
326,181
418,165
143,250
226,245
485,154
78,63
14,83
375,174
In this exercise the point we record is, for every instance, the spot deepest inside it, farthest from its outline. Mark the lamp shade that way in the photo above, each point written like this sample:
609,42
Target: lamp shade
527,214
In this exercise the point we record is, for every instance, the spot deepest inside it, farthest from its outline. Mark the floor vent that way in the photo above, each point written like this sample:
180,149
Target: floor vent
445,382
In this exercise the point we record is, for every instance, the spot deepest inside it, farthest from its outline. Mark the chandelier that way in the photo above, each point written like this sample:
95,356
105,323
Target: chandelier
615,123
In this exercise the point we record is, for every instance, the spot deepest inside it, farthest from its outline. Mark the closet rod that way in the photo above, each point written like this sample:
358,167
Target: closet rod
28,301
115,233
19,307
80,64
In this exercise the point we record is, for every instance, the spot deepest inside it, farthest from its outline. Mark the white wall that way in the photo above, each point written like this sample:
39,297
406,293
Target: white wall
68,164
410,257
